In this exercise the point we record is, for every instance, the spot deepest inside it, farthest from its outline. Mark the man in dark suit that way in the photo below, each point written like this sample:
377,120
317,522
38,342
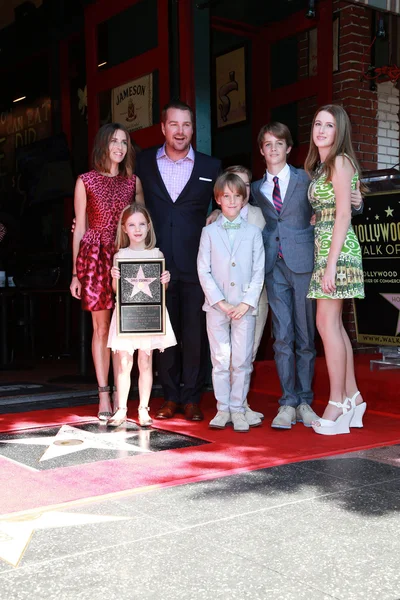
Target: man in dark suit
178,186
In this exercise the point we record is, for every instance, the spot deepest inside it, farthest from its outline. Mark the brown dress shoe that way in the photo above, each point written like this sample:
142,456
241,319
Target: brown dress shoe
167,410
193,412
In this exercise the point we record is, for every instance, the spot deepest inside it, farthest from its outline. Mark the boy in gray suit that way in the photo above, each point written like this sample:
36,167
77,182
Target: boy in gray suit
289,259
230,265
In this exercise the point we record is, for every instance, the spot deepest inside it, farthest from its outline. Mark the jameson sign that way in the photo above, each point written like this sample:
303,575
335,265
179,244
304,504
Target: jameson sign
132,103
378,231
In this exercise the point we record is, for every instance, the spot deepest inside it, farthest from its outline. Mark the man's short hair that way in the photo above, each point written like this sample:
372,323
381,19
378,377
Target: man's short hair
279,130
176,104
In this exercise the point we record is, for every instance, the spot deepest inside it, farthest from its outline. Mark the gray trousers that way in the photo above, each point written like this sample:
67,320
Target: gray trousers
231,346
293,327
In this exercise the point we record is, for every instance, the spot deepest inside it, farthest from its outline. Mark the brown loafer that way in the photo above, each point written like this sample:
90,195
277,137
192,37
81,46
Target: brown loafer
192,412
167,410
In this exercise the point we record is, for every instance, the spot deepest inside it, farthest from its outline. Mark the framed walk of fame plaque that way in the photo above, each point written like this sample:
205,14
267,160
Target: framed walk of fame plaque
140,297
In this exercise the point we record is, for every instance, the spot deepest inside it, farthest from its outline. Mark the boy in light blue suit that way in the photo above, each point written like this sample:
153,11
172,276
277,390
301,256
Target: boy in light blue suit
230,265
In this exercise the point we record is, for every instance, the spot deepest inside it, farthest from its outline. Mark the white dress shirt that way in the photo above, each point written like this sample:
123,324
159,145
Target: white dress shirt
268,186
231,233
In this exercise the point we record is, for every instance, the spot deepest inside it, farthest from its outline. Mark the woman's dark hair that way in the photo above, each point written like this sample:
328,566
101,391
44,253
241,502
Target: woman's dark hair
101,151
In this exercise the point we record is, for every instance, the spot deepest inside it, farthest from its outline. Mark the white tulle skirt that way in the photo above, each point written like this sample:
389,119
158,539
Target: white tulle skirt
140,342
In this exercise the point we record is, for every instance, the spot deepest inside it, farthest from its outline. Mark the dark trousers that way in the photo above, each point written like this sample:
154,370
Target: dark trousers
185,363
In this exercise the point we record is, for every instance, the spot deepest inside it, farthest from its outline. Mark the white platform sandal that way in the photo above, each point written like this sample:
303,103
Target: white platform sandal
342,423
359,410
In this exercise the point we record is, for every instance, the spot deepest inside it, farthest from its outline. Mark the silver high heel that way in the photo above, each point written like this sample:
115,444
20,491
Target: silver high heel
342,423
359,410
144,418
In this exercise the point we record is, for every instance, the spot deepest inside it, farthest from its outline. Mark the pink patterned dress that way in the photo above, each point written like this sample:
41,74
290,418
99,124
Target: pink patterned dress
106,199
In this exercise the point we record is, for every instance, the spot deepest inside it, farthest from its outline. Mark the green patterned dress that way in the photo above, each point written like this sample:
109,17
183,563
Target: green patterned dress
349,271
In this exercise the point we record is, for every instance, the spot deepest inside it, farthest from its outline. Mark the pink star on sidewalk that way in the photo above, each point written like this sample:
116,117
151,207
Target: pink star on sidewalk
140,283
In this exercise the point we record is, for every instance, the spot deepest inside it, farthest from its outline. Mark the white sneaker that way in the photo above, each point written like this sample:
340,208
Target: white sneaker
220,420
252,418
247,407
285,418
305,414
239,422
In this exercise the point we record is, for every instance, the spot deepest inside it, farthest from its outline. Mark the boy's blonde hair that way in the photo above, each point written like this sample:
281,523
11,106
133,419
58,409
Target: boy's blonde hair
234,183
239,169
122,239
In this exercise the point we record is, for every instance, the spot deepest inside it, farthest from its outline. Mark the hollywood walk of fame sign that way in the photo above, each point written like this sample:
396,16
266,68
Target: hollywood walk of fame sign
378,231
140,297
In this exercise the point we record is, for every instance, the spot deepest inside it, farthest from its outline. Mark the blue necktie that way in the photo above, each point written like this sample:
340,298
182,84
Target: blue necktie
277,200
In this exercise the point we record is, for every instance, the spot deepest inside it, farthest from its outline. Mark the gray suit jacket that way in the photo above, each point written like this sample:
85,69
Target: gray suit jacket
291,227
232,274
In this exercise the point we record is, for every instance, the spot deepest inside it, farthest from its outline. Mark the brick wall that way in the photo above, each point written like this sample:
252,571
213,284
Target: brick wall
305,108
349,89
388,125
360,102
374,113
302,56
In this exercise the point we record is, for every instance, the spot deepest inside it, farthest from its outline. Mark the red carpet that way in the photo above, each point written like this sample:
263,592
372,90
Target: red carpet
381,389
228,452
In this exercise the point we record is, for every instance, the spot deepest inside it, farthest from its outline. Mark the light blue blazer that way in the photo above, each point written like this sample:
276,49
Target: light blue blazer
233,274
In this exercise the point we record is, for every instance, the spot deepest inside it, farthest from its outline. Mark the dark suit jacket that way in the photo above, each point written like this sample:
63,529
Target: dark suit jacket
178,224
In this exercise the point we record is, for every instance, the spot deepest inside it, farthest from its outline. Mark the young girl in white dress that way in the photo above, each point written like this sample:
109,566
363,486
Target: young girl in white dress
135,239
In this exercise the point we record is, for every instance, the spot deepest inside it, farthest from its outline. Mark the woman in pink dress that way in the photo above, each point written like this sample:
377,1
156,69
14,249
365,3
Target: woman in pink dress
100,197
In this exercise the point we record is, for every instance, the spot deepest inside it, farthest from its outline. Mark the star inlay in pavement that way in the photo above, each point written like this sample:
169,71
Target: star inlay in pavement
61,446
140,283
70,439
16,532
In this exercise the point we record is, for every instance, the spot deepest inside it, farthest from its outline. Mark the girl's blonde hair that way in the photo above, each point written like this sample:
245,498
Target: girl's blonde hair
342,144
122,240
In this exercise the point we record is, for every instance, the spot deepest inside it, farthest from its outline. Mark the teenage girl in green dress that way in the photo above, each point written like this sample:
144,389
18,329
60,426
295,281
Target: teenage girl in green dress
338,272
